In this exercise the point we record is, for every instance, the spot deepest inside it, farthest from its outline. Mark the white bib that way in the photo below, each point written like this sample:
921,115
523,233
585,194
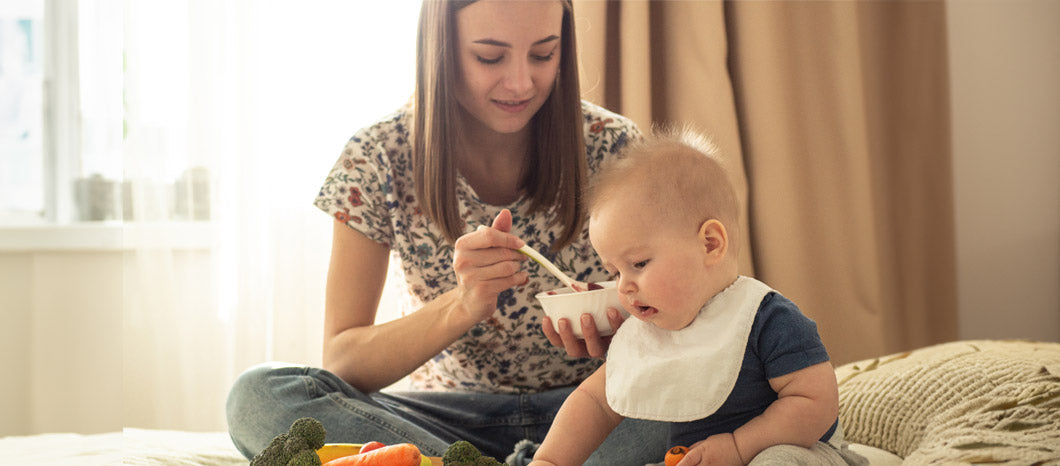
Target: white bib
683,375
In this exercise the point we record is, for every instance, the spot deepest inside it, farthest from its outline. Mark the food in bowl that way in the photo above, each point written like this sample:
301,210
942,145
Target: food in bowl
567,303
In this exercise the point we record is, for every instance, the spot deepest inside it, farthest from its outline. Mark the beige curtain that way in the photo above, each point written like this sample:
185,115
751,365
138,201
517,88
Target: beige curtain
837,113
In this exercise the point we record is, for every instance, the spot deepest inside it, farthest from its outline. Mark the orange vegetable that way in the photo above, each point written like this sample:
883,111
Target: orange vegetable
373,445
402,454
674,455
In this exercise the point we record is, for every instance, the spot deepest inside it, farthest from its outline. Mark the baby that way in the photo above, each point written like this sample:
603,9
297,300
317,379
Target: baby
733,366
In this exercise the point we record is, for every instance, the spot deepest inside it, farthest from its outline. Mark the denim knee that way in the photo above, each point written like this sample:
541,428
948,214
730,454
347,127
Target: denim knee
248,392
255,408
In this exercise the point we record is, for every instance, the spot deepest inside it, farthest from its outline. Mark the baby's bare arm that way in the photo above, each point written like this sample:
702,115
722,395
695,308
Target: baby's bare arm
582,424
807,405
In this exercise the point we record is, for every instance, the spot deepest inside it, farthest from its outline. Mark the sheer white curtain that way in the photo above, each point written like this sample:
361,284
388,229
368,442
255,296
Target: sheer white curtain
250,101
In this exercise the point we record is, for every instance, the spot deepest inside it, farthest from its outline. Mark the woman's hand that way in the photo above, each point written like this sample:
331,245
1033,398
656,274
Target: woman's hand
592,346
486,262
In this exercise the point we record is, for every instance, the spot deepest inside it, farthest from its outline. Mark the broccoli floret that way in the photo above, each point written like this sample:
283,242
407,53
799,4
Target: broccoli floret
305,458
311,430
460,452
305,436
273,454
487,461
295,444
463,453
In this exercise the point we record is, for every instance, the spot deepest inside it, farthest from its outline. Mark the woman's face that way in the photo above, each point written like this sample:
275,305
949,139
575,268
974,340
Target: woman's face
508,54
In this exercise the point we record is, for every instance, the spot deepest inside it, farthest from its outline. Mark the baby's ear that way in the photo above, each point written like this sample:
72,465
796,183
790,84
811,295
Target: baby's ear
715,240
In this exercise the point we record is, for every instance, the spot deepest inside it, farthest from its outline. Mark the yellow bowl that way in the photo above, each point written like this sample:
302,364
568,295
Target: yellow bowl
332,451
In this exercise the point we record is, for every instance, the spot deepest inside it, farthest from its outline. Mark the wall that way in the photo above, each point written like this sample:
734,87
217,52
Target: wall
80,355
1005,71
61,342
14,343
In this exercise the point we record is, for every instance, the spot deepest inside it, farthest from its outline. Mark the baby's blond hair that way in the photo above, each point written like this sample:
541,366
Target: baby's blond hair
678,175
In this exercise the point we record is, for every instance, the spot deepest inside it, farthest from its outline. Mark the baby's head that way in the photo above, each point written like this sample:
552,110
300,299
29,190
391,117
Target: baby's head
664,218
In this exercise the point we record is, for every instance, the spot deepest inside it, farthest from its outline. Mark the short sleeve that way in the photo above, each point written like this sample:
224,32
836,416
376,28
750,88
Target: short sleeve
787,340
358,188
606,134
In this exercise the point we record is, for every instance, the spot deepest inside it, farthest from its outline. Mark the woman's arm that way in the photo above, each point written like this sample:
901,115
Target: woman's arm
370,356
581,425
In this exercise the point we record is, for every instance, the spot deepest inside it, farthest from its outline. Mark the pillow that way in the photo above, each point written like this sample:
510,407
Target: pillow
968,401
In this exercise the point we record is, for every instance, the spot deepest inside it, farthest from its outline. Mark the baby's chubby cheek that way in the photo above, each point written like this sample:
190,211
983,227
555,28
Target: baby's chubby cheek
627,304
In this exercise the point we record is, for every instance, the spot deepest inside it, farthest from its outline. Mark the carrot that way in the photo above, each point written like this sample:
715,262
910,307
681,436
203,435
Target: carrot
373,445
402,454
674,455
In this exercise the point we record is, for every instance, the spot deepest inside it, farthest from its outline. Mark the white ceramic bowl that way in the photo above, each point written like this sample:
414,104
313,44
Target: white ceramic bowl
564,302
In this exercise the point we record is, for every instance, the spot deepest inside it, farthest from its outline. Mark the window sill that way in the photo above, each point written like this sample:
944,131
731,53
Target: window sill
107,236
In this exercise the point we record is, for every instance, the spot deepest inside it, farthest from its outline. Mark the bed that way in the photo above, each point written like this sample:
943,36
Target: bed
128,447
145,447
983,401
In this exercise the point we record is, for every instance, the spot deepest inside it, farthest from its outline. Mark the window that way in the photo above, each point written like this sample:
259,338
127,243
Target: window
127,110
60,110
21,106
97,171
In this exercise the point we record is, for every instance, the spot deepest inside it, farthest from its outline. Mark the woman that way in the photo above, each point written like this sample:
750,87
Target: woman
495,135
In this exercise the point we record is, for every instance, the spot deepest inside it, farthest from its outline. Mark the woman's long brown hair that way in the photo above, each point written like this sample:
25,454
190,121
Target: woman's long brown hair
556,172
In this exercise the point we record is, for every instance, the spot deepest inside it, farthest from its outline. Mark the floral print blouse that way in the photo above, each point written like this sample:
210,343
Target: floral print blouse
371,189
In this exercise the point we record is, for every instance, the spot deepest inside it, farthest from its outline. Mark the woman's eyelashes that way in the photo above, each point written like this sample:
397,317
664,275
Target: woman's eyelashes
535,57
543,58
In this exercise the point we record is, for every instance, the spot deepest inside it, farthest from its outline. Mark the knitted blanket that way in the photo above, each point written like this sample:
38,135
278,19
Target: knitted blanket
977,401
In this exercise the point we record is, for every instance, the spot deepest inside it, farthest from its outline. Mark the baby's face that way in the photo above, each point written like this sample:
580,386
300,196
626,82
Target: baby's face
660,268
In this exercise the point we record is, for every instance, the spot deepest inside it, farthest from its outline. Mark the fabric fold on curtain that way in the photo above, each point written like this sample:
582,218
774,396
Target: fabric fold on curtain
837,115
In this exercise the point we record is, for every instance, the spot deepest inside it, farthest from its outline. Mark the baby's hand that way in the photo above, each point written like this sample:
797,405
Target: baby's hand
719,449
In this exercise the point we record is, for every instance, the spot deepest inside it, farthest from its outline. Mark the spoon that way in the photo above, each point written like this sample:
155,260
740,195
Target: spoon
549,266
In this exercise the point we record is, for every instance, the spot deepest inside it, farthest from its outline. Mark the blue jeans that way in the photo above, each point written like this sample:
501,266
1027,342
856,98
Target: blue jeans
267,398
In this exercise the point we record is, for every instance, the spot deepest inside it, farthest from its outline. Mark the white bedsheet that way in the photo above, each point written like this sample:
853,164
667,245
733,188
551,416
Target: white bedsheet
129,447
